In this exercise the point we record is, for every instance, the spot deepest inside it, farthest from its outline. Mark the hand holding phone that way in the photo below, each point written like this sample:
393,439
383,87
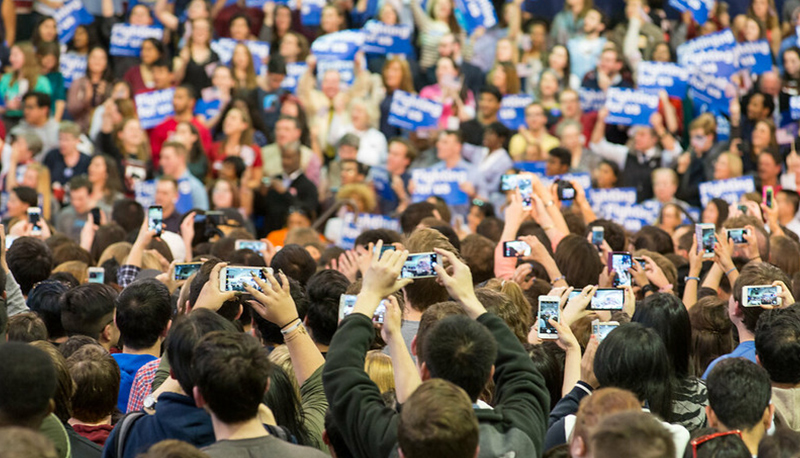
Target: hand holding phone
155,219
621,262
96,275
549,308
516,249
598,235
420,265
706,239
35,220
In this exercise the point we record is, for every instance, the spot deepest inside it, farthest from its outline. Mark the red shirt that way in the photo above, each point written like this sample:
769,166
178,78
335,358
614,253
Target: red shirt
250,155
160,133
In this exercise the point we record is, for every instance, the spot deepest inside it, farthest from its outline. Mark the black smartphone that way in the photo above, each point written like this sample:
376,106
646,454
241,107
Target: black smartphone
96,215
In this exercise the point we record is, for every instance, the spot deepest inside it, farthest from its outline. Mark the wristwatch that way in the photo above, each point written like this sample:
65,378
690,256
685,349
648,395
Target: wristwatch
150,402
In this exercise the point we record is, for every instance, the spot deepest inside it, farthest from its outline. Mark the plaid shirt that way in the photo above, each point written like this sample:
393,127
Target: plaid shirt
142,385
127,274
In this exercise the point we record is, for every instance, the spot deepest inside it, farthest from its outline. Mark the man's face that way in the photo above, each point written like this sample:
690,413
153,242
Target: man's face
350,174
644,139
755,108
34,115
347,152
397,162
570,105
166,194
592,21
447,147
447,46
330,84
664,187
535,118
608,63
162,77
571,137
181,100
768,170
290,161
488,105
67,143
274,81
170,162
785,207
286,132
79,199
555,167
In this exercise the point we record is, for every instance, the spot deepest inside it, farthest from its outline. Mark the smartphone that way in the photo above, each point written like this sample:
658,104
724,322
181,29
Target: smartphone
420,265
607,299
256,245
516,249
737,235
508,182
573,294
743,209
97,275
526,191
600,329
215,218
598,235
620,262
233,278
642,262
184,270
565,190
348,301
385,248
35,219
96,215
549,308
155,218
768,196
756,296
706,238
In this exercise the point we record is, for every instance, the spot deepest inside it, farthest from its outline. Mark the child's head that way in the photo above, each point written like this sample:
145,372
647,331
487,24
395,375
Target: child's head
97,379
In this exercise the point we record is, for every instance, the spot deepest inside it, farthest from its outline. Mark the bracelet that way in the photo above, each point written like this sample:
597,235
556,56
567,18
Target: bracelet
292,329
290,322
686,279
729,272
553,282
550,203
294,335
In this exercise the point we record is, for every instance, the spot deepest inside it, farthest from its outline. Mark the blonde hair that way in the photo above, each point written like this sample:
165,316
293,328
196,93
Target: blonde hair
513,292
30,70
150,261
665,171
370,108
44,187
407,82
280,357
78,269
706,122
358,191
734,164
251,81
117,251
379,368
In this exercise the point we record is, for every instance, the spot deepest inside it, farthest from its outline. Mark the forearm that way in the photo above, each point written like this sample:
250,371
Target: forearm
586,211
713,277
406,376
306,357
10,21
59,113
572,370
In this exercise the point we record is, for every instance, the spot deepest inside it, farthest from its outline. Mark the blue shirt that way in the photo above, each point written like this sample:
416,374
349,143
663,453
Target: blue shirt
197,190
472,176
743,350
128,366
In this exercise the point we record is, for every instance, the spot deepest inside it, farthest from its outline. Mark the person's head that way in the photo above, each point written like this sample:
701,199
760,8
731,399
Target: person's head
634,357
151,51
489,101
36,108
759,106
496,136
665,184
231,374
739,396
324,290
644,138
415,213
631,434
791,63
728,165
478,252
173,159
535,117
607,175
295,262
593,410
97,379
183,99
438,420
425,292
712,334
610,62
770,166
30,261
559,161
788,202
68,137
290,157
128,213
670,217
89,310
654,239
332,18
461,351
23,403
667,315
173,448
166,193
18,442
20,199
448,146
144,312
45,301
702,133
331,84
26,327
578,261
401,154
777,344
352,172
716,212
783,443
753,274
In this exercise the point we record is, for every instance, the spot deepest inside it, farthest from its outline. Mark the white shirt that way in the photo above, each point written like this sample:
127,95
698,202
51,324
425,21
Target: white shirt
619,153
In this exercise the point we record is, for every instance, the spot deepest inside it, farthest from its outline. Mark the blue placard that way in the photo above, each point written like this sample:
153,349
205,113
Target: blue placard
72,66
69,17
442,183
600,197
631,217
699,8
207,108
512,110
311,12
655,76
352,227
723,127
338,45
472,14
255,3
412,112
345,69
628,107
591,100
258,49
728,190
537,167
126,40
382,182
154,107
755,56
145,192
713,54
293,74
710,93
380,38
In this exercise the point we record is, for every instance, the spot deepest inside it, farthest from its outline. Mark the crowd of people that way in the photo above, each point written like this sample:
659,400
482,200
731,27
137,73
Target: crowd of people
254,265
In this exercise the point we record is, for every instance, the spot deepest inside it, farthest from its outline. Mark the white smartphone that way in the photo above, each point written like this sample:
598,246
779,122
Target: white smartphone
184,270
97,275
233,278
598,235
549,308
608,299
516,249
35,219
706,238
256,245
600,329
348,301
420,265
756,296
155,219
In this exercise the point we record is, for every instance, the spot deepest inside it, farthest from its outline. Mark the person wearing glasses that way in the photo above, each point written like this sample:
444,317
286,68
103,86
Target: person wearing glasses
696,165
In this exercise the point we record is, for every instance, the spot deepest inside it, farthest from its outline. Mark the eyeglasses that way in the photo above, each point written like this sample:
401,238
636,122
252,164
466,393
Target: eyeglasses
703,439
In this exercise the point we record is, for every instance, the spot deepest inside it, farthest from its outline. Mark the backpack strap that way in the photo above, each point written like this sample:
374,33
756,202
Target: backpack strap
125,426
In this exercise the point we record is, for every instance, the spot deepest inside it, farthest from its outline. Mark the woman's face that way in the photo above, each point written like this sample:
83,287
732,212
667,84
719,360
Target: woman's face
97,170
558,58
761,135
241,58
97,61
605,177
393,75
222,79
197,9
81,38
140,15
234,123
751,30
710,214
661,53
442,10
149,53
16,208
445,70
548,85
48,63
16,58
700,141
290,109
30,178
388,15
48,31
283,19
505,51
791,62
121,91
239,29
761,8
201,32
474,217
222,195
184,134
132,132
290,47
499,77
670,219
722,168
330,21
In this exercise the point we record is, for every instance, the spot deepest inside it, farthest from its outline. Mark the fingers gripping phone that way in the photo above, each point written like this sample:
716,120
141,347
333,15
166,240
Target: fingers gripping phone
549,308
516,249
35,219
184,270
420,265
155,219
620,262
348,301
756,296
233,278
706,238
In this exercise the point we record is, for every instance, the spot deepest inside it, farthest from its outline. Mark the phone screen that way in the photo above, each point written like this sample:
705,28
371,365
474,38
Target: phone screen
620,263
526,191
769,193
348,301
420,265
35,218
608,299
184,271
96,215
600,330
96,276
237,277
567,193
597,235
708,239
508,182
155,218
516,249
737,236
255,245
756,296
548,309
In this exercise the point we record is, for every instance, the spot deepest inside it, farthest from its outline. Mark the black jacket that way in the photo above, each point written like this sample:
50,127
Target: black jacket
301,192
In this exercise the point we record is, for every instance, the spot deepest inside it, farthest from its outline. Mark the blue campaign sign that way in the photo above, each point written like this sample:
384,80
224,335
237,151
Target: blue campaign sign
512,110
710,93
699,8
293,74
755,56
537,167
258,49
412,112
598,198
655,76
126,40
380,38
145,192
629,107
472,14
69,17
443,183
311,12
72,66
723,127
207,108
591,100
728,190
154,107
345,69
338,45
632,217
713,54
352,227
382,182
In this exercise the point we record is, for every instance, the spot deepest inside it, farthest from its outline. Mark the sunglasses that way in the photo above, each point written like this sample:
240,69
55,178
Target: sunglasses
696,443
